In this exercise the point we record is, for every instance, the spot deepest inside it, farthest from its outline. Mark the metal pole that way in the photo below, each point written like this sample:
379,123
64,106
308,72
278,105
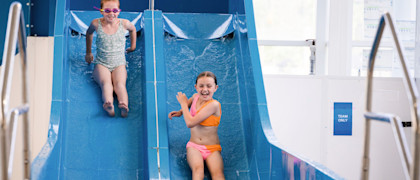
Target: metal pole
152,5
312,58
23,53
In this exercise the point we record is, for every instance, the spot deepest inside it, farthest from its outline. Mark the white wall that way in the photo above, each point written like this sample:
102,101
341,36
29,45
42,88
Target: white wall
301,112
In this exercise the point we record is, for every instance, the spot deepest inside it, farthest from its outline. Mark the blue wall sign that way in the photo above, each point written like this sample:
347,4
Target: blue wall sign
343,118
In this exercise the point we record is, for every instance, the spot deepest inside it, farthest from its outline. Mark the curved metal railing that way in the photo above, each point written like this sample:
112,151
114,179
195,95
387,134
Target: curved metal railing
409,161
9,117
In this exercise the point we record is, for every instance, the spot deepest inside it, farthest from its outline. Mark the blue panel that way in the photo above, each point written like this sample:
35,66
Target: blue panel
236,7
42,17
343,118
60,18
150,98
161,95
155,74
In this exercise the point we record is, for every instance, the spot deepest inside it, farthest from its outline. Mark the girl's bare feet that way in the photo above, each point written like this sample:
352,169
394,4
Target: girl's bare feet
124,109
109,108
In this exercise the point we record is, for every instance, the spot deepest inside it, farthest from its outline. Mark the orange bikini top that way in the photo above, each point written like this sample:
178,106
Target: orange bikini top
212,120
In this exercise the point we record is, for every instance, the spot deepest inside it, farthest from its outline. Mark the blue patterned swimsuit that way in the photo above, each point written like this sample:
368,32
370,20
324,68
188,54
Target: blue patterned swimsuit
110,48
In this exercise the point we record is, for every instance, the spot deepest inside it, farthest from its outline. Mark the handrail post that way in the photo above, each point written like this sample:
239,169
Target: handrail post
15,33
374,50
23,54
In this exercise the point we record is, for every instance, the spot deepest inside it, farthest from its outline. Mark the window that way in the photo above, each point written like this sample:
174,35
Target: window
283,26
366,14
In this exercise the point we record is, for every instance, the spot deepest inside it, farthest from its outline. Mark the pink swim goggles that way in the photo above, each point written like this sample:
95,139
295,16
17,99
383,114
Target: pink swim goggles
108,10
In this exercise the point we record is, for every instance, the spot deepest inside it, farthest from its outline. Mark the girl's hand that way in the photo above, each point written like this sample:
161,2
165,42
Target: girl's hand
175,114
129,50
182,98
89,58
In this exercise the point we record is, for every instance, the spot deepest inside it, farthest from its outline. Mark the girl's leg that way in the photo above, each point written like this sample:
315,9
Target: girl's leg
215,165
195,160
119,77
102,76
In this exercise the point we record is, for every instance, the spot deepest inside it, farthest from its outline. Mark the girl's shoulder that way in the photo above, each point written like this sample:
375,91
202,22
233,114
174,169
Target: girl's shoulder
95,22
216,107
127,24
93,26
215,104
124,21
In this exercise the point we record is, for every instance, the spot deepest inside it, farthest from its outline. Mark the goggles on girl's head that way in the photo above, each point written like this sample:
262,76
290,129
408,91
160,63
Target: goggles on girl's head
107,10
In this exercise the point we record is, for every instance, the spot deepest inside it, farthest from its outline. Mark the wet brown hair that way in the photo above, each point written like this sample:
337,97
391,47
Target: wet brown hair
104,1
206,74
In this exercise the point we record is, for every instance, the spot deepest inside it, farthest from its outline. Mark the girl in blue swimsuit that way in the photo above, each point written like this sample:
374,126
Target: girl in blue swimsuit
110,71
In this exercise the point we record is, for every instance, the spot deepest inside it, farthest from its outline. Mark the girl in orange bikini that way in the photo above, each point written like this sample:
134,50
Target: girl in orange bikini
203,120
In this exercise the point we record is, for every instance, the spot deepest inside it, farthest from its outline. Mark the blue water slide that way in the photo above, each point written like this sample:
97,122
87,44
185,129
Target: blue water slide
226,45
174,45
83,142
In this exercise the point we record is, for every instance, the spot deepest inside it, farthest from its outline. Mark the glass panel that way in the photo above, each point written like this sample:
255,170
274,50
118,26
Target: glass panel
366,14
285,19
387,62
285,60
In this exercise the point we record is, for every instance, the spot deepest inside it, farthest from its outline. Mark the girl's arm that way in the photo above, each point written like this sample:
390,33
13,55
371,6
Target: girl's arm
179,113
189,102
207,111
89,39
133,34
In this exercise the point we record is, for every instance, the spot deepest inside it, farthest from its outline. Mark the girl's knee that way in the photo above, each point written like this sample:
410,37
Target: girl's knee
197,169
197,175
119,86
217,175
105,84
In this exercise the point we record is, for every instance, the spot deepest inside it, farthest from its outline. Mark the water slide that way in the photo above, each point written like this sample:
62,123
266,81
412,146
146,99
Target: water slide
172,48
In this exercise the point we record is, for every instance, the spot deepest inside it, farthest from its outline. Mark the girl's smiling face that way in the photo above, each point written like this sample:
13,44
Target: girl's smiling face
111,16
206,87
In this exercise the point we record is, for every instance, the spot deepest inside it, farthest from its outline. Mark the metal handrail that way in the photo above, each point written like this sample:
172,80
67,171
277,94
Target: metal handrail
152,5
411,164
15,33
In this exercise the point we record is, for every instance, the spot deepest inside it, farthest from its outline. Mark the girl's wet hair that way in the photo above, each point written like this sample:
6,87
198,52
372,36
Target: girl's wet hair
206,74
104,1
